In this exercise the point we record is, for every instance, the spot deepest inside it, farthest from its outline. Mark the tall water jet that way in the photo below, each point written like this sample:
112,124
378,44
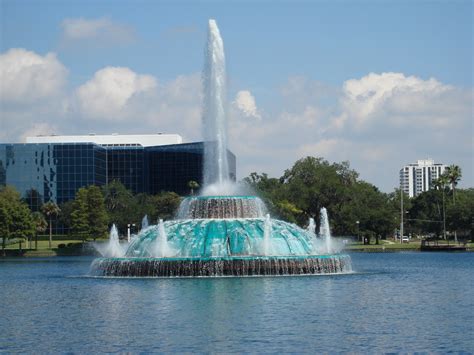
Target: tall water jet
267,233
145,222
113,248
324,230
216,167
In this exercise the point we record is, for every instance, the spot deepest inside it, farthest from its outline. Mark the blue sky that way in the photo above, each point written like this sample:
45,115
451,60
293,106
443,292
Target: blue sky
290,65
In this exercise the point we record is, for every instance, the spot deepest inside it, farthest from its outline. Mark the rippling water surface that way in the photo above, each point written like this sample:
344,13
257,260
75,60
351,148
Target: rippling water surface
392,303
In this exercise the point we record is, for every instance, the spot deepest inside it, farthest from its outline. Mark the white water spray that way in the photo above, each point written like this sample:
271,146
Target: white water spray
113,249
267,232
161,247
216,167
325,231
145,223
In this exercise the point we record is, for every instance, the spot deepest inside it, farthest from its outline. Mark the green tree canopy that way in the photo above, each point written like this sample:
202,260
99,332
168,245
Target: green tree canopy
15,217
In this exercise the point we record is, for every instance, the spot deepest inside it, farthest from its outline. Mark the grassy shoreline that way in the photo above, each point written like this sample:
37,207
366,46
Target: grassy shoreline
78,248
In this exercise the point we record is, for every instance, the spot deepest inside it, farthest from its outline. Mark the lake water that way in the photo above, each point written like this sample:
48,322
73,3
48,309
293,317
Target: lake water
402,302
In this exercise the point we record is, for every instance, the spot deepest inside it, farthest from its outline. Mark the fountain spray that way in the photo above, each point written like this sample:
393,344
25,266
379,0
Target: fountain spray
216,167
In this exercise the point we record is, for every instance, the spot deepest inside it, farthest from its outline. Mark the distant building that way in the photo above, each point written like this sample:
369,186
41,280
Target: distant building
419,177
53,168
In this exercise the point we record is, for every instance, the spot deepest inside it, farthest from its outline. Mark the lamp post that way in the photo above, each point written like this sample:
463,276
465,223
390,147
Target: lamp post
128,230
357,222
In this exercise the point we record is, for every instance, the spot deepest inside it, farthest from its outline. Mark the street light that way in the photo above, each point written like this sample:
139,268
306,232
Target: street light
357,222
128,230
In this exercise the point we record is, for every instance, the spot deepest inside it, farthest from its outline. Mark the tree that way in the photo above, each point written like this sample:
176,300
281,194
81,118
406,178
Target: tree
453,174
441,184
80,214
97,214
50,209
427,212
120,205
166,204
40,225
15,216
460,216
193,185
5,224
34,200
313,183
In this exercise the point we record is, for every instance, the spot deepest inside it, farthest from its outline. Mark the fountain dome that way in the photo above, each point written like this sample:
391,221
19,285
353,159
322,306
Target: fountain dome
221,236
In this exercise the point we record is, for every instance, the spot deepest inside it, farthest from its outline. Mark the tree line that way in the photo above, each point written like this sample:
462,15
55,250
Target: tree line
358,208
89,216
355,207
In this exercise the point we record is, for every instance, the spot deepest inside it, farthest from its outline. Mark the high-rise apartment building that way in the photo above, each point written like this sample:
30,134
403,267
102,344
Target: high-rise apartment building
419,177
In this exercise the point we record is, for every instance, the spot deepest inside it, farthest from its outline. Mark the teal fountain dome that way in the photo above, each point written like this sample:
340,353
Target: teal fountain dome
224,236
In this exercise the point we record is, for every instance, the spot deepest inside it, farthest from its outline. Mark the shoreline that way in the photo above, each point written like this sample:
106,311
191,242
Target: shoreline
47,253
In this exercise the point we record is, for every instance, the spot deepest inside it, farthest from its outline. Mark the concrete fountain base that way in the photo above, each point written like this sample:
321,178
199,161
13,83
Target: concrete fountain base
223,266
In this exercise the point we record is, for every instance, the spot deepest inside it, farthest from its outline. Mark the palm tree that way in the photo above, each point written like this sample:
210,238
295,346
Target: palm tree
440,184
193,185
454,174
40,226
50,209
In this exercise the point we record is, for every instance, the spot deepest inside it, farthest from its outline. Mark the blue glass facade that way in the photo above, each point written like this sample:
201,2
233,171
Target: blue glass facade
55,171
51,172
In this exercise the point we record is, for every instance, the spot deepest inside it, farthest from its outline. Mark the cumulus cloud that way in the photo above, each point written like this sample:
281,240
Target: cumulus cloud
378,122
108,93
103,29
245,102
372,96
26,76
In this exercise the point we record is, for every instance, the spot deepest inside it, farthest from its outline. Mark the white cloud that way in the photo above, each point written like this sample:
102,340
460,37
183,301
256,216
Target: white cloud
245,102
108,93
372,96
26,76
104,29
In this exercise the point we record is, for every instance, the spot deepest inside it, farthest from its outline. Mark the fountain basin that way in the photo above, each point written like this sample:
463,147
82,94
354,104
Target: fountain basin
222,266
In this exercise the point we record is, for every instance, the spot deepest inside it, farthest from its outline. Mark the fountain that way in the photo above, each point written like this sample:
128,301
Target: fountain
221,232
113,247
145,223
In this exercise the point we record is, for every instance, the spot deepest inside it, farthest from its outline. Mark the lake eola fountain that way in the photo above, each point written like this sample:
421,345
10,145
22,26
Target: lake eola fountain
221,232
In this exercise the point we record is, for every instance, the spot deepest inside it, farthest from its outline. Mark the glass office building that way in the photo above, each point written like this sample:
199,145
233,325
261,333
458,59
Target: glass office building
44,172
51,172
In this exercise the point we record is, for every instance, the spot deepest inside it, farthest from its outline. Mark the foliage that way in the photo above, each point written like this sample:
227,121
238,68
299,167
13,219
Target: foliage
50,209
193,185
460,216
15,217
97,214
313,183
80,215
453,174
89,216
120,205
124,208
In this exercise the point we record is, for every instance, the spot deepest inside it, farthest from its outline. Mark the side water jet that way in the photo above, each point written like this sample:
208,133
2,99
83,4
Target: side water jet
325,231
161,248
113,249
267,233
145,223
